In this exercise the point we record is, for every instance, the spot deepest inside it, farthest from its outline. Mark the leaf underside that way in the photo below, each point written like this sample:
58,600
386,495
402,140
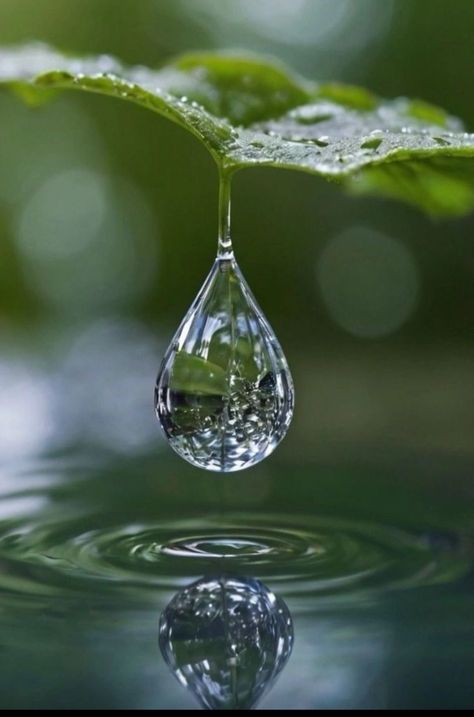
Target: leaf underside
250,112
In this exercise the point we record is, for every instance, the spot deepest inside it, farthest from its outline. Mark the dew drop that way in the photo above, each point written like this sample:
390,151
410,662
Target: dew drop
224,394
106,64
371,143
322,141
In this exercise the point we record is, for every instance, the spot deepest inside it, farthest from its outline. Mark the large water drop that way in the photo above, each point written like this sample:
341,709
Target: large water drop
226,639
224,394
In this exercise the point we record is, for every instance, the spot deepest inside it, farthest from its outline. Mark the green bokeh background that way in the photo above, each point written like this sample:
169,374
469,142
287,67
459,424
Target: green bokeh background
108,224
282,221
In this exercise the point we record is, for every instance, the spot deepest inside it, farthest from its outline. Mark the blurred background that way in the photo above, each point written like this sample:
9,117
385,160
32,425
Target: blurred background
108,227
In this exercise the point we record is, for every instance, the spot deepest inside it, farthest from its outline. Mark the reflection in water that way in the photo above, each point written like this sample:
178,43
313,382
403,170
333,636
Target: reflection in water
226,639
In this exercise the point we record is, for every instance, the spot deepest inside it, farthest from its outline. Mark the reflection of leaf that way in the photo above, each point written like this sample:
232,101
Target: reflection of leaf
241,358
250,112
191,374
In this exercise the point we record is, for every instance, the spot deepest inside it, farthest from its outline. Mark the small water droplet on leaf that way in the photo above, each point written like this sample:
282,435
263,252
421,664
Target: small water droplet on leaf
372,143
322,141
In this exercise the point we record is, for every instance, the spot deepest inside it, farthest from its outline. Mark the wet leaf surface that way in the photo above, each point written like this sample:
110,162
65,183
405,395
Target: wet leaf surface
248,112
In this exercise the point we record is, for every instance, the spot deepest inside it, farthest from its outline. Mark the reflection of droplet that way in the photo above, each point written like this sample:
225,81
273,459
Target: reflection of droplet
369,282
224,394
226,639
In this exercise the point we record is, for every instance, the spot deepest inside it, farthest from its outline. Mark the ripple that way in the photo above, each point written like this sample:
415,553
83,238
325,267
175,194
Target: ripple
299,554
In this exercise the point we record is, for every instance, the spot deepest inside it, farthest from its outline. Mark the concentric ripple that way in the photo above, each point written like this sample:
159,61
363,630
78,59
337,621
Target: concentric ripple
301,554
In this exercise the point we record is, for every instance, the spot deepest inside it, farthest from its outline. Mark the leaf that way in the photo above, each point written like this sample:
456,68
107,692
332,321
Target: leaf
250,112
192,374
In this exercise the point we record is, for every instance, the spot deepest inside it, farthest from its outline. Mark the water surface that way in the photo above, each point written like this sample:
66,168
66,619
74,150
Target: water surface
373,564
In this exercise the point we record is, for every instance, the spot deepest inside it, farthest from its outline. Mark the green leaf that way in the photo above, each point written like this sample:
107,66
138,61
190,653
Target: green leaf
250,112
192,374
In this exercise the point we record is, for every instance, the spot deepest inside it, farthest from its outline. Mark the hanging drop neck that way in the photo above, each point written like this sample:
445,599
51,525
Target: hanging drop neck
225,250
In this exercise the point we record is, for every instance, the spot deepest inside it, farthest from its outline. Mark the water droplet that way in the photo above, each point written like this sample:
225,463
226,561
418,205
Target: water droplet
314,112
372,143
226,639
322,141
224,395
106,64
